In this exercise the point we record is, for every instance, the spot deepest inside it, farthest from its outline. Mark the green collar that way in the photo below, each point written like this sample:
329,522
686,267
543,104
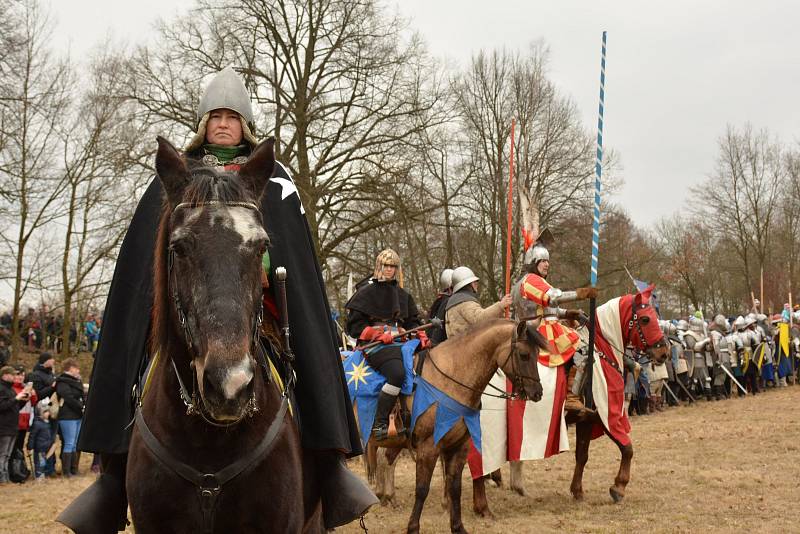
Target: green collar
225,153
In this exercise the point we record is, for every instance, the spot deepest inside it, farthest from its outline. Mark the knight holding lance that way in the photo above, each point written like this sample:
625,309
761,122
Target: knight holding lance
381,310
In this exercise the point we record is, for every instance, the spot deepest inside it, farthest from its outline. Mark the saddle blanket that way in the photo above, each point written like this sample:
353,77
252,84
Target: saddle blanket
521,430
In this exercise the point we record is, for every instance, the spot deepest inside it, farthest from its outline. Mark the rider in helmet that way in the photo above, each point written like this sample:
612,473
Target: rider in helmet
378,311
534,298
439,333
224,137
463,308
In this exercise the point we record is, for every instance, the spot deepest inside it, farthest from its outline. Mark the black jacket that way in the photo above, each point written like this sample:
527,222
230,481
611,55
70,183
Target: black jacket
379,302
70,390
326,415
41,436
42,379
9,410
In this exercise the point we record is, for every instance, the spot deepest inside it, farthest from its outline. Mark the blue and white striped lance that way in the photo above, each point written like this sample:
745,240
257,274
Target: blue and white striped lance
598,167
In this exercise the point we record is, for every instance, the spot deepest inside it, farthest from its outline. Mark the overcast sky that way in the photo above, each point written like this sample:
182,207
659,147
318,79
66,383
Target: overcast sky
677,72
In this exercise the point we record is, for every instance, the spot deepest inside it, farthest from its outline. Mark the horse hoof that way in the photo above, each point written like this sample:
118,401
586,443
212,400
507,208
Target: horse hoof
386,500
519,490
616,495
459,530
484,513
577,495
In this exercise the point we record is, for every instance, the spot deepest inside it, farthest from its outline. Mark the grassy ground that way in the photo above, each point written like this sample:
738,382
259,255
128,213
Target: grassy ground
724,466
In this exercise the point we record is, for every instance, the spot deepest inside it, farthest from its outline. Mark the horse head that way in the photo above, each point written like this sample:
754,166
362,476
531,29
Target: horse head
644,331
214,238
519,362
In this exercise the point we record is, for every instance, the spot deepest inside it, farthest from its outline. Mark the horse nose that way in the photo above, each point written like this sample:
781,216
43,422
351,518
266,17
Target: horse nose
227,383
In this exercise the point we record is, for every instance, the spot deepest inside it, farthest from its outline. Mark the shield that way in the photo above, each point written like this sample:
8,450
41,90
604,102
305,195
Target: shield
762,352
688,357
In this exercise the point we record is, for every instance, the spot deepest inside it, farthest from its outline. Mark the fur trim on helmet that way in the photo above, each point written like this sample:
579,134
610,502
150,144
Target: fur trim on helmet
199,138
388,257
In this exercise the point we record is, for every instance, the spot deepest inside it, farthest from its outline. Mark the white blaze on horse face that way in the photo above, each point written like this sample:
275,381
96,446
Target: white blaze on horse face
241,220
237,378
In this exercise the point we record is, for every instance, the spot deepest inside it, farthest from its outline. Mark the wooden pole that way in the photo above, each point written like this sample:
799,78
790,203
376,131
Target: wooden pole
509,214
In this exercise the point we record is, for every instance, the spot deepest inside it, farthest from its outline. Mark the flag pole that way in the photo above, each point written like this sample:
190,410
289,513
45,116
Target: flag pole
598,173
509,214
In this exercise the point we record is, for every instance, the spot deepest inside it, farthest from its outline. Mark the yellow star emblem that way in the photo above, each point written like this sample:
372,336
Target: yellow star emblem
359,373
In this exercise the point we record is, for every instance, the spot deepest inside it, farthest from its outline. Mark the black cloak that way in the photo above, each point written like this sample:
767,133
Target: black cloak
326,416
380,302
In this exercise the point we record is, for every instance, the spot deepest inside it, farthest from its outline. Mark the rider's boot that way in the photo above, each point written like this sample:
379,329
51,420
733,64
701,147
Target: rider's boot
101,508
345,497
386,402
574,404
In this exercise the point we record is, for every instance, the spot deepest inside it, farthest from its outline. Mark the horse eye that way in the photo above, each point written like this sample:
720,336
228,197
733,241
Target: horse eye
179,246
645,319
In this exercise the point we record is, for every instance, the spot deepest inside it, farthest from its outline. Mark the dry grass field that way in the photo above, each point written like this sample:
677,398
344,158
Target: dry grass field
728,466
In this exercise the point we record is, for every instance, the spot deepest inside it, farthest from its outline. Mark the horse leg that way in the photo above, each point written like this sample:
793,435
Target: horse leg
617,491
583,437
497,477
480,504
381,474
454,460
445,495
517,482
426,463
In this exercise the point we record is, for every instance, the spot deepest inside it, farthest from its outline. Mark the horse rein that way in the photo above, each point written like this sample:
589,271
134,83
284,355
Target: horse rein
517,382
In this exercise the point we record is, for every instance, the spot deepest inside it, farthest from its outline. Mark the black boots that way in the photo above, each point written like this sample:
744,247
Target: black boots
66,464
345,497
102,508
380,427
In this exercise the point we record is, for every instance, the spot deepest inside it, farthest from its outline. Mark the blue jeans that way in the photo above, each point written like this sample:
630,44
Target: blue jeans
69,433
42,466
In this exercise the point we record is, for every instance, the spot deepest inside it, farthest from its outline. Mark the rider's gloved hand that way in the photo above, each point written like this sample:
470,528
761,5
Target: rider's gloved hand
424,342
386,338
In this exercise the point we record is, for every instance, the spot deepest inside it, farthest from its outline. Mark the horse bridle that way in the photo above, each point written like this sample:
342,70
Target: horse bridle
517,383
193,403
636,321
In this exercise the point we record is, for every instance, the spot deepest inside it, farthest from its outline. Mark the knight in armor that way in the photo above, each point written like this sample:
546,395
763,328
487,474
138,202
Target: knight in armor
685,358
735,346
437,334
696,343
768,362
657,375
463,308
750,341
675,349
534,298
224,137
720,356
380,310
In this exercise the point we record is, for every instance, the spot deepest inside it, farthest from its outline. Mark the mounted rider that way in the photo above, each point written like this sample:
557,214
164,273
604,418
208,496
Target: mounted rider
224,137
438,309
378,311
463,308
535,299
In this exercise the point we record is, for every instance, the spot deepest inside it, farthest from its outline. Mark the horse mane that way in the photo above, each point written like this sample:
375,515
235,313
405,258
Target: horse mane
207,184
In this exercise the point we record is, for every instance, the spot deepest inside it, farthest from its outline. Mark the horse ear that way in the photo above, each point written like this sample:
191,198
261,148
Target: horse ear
171,170
644,295
258,168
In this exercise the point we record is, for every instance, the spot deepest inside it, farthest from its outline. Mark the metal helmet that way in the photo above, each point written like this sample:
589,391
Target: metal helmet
682,325
722,322
446,280
227,91
535,254
750,319
761,318
462,277
696,324
739,323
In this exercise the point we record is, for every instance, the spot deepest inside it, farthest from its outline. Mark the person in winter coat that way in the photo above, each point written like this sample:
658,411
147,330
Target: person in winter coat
69,387
463,308
26,412
42,376
40,440
10,404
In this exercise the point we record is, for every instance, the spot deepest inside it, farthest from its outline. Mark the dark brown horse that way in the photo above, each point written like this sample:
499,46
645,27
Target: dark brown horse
628,320
214,447
461,368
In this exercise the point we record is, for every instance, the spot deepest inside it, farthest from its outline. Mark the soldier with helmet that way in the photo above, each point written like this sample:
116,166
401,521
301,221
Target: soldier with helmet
720,354
463,308
536,299
438,334
750,340
378,311
696,341
224,138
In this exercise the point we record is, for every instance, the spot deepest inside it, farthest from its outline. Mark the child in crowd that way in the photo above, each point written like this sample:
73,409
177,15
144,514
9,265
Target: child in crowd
40,440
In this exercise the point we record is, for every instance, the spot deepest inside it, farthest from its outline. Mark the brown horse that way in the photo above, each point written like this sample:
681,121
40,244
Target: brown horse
623,321
461,368
214,447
